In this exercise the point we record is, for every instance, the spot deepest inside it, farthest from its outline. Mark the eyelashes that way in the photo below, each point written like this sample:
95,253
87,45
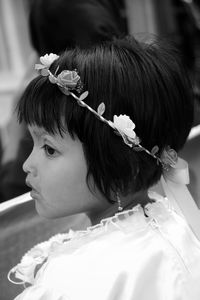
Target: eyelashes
49,151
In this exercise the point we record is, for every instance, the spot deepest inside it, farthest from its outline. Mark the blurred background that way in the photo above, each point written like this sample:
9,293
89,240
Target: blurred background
15,50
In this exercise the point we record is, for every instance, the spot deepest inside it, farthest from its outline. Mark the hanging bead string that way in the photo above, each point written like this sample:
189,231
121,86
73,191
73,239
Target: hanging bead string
120,208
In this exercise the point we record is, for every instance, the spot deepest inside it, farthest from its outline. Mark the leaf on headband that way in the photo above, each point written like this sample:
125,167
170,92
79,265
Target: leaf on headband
101,109
52,79
39,66
56,70
154,150
83,96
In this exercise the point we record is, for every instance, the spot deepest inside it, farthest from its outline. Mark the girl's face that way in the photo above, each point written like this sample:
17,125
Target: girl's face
56,171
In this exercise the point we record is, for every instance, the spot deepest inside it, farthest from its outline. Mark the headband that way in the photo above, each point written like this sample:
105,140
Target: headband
69,81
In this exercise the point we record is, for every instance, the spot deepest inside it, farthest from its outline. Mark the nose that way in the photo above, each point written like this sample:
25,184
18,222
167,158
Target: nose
29,165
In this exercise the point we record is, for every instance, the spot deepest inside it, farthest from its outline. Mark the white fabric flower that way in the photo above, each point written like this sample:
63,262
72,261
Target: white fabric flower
125,126
25,270
48,59
33,260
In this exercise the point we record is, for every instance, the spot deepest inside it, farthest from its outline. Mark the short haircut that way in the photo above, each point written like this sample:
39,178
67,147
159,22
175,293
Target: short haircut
144,81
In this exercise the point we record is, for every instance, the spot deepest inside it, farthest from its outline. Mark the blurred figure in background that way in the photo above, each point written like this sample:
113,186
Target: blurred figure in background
187,38
187,20
55,26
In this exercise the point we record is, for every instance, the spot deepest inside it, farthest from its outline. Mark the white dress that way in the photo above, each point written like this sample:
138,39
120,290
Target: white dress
135,255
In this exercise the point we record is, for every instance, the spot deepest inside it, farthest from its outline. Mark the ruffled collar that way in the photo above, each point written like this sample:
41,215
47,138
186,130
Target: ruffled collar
35,258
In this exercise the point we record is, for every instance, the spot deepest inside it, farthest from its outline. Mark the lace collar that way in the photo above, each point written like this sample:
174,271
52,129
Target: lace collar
32,261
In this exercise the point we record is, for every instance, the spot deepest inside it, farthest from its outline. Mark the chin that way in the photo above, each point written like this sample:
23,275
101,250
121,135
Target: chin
50,214
44,212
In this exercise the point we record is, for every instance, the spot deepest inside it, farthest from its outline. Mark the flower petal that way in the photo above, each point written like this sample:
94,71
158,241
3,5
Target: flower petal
39,66
48,59
130,133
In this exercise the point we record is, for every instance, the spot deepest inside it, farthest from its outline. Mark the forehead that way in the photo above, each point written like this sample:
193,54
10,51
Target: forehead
40,133
37,131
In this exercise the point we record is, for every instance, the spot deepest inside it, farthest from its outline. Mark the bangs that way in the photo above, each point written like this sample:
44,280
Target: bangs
44,105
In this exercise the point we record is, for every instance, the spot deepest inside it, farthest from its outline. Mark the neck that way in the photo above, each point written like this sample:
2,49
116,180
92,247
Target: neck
127,203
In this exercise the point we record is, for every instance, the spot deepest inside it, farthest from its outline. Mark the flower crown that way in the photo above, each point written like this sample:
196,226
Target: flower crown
69,81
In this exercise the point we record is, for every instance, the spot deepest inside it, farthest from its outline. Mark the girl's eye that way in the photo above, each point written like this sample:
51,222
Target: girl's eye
49,150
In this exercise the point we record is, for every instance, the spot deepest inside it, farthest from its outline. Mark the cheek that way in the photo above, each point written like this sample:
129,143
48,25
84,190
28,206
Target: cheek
65,174
64,187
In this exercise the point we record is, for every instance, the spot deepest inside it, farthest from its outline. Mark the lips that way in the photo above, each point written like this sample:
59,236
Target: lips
34,193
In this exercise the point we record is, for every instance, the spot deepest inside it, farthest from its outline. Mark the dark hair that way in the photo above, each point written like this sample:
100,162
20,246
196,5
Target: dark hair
144,81
57,25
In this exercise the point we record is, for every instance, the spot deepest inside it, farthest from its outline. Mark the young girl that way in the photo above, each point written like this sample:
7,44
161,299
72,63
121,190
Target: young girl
107,123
